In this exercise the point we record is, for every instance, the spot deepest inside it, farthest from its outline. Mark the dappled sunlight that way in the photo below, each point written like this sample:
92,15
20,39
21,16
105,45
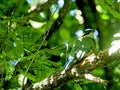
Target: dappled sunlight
95,79
116,35
13,25
118,0
80,19
21,77
78,15
42,1
115,45
37,24
105,17
34,4
55,16
90,77
60,3
73,12
42,15
46,44
32,8
44,82
74,72
100,9
31,2
104,13
90,59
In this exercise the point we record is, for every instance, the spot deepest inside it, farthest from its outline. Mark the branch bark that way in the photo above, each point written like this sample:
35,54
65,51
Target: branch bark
78,70
58,22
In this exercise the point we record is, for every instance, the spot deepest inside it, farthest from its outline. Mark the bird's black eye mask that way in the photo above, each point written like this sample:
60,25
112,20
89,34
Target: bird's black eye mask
83,33
87,31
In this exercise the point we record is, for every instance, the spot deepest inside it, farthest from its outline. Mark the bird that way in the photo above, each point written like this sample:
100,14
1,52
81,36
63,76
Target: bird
84,45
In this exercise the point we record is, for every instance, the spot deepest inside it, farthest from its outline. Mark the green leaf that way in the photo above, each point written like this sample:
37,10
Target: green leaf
109,8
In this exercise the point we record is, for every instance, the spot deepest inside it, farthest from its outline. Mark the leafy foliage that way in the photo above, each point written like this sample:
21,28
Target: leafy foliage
24,50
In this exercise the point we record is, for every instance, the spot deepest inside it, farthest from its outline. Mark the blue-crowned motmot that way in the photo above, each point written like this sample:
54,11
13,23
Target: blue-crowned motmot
83,46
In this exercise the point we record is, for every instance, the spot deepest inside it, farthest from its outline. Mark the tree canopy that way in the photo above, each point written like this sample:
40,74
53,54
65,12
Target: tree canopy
37,38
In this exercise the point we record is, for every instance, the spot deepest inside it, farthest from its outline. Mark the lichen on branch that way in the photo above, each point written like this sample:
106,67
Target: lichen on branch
78,70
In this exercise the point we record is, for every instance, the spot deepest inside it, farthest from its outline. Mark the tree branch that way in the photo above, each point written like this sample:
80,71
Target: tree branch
58,22
76,71
37,8
95,79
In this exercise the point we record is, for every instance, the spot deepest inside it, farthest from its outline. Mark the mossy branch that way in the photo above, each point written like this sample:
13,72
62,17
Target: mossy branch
79,70
58,22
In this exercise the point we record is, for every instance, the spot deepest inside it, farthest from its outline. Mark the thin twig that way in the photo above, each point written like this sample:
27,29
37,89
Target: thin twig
44,38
